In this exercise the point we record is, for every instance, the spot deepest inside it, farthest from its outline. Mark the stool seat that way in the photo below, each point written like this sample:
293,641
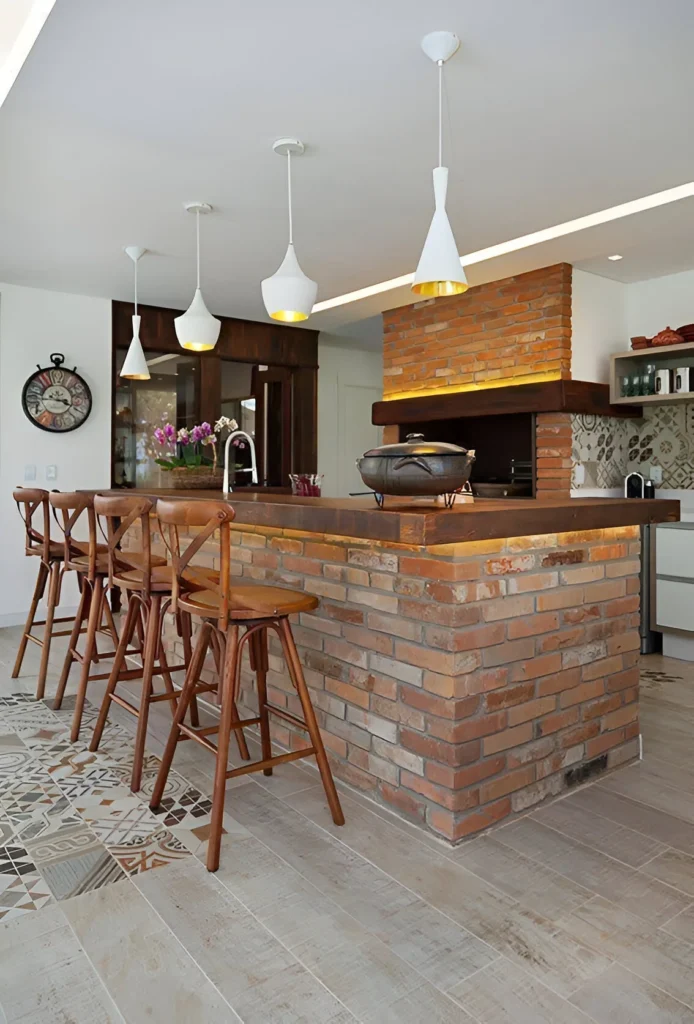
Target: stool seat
248,601
136,558
162,577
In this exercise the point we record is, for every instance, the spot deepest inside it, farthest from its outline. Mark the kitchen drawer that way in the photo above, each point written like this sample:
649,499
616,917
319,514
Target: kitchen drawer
674,603
674,552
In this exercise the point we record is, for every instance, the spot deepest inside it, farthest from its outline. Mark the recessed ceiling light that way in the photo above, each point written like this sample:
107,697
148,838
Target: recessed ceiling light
569,227
615,257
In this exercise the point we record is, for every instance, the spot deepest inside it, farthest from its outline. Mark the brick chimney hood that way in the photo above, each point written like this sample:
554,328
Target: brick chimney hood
577,396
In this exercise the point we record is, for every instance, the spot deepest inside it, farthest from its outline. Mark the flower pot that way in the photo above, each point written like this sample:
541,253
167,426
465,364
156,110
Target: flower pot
196,478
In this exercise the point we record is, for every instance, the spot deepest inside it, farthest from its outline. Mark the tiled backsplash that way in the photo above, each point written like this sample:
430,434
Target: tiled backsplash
610,448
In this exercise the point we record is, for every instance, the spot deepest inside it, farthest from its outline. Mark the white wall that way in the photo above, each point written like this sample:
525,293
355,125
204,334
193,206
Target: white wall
660,302
350,380
33,324
598,325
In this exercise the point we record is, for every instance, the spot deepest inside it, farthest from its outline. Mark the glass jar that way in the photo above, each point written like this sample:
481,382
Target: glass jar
648,380
636,384
625,387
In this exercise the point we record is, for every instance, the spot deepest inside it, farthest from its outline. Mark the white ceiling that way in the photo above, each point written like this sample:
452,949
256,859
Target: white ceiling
124,111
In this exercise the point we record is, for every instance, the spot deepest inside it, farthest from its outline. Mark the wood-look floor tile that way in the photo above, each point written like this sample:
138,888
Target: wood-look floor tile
145,969
234,950
675,868
567,816
504,994
682,926
544,948
664,828
639,786
291,996
633,890
619,995
652,953
424,1004
532,884
45,976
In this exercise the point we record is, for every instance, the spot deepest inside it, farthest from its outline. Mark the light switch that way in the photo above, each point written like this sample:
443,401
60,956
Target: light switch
30,472
51,472
657,474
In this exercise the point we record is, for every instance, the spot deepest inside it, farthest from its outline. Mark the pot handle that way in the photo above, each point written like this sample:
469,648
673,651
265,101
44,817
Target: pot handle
409,460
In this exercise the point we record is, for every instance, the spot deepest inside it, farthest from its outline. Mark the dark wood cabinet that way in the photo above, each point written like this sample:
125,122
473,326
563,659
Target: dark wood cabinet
262,375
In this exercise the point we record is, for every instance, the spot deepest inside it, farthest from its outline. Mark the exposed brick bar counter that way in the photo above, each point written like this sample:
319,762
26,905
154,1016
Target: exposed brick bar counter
460,682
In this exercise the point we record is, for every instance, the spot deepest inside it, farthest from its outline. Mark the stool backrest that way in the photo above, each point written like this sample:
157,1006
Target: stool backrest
32,503
208,517
120,513
68,508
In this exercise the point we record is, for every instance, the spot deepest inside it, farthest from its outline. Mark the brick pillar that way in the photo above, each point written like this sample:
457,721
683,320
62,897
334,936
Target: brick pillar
553,454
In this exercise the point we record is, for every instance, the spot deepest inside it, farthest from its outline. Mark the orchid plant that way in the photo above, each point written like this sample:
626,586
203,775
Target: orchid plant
187,444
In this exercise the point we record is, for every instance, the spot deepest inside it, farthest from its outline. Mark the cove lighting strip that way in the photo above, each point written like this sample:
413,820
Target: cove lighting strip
22,44
569,227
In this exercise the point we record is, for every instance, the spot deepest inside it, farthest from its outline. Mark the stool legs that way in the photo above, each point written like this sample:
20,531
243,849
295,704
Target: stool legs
131,618
39,589
53,592
193,673
228,706
297,676
95,613
152,642
257,647
82,614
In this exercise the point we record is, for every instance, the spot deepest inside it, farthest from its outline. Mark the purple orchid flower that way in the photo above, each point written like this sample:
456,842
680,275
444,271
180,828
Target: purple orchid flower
183,436
159,436
205,429
170,432
196,434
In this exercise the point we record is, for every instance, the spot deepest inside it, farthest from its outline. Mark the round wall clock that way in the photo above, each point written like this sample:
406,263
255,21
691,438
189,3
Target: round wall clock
56,399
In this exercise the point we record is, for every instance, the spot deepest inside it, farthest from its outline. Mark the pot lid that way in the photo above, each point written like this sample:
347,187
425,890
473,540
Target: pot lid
416,445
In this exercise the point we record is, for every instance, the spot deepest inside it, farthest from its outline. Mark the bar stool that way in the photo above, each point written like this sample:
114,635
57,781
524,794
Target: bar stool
32,501
90,561
221,610
148,586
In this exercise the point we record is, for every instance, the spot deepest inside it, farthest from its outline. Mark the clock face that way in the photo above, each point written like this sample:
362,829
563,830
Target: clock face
56,399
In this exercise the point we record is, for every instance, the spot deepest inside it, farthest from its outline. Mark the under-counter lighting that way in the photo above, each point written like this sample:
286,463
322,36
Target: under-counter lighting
485,385
24,31
615,257
569,227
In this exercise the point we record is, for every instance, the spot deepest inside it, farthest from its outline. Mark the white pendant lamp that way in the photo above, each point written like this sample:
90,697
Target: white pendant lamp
196,329
135,365
289,295
439,271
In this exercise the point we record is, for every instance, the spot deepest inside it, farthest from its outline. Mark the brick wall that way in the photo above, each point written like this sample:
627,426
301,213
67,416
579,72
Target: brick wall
456,684
518,327
553,454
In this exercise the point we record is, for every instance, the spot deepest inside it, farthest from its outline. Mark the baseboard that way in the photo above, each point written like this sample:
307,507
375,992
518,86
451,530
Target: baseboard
19,618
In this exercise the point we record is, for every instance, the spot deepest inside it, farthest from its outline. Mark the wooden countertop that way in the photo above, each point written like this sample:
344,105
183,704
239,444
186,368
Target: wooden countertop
418,521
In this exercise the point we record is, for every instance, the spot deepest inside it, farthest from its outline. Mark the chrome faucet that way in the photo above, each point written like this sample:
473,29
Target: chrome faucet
252,469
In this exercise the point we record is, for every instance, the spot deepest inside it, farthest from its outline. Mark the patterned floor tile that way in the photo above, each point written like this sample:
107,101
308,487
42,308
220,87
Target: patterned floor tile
22,895
73,861
27,795
143,854
115,815
45,736
15,700
95,776
185,809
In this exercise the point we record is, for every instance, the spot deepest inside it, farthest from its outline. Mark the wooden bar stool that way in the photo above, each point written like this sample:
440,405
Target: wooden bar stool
148,582
90,561
222,609
32,503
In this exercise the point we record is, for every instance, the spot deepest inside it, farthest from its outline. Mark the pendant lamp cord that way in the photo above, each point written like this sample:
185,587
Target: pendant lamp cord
440,63
197,241
135,262
289,196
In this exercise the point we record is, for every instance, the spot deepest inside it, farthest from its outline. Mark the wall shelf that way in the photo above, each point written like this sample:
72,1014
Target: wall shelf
665,357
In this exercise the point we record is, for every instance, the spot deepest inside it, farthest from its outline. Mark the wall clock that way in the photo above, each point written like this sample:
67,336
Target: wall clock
56,399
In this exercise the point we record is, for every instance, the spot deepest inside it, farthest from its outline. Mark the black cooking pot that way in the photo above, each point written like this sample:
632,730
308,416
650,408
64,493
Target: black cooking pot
416,467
